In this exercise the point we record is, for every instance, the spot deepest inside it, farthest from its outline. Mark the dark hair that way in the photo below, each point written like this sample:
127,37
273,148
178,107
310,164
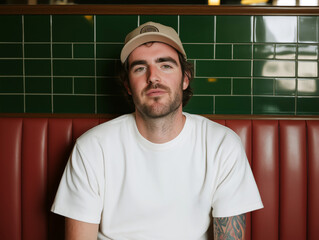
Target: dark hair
186,67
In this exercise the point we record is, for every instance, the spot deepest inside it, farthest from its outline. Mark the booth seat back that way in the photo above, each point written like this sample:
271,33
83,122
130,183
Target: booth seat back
284,155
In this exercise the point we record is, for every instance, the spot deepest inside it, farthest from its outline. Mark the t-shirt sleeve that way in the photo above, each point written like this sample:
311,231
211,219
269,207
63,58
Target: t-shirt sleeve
236,192
80,192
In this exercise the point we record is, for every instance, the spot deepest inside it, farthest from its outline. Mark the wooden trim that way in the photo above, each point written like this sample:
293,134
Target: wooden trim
110,116
157,10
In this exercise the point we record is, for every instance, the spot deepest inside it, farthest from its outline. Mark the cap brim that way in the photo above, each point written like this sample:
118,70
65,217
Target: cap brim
148,37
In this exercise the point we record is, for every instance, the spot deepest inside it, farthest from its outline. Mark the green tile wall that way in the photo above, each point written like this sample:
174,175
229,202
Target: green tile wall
243,64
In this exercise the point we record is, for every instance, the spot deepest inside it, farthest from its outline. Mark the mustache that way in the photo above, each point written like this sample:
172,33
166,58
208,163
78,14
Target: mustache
156,86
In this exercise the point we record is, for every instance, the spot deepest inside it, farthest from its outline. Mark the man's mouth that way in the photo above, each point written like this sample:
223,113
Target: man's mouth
156,90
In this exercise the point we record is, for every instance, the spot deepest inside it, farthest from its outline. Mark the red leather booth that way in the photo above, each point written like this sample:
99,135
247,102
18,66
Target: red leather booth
283,153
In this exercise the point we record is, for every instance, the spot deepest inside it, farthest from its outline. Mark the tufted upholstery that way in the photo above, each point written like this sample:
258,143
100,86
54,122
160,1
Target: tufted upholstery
284,155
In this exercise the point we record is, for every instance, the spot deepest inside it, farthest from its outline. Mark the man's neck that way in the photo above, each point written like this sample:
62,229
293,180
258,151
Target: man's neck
163,129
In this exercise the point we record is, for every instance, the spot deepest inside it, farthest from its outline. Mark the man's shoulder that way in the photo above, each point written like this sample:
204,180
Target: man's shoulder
203,121
213,129
108,128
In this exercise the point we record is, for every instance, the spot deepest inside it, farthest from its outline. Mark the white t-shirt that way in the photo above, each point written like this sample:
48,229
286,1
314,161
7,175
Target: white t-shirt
138,190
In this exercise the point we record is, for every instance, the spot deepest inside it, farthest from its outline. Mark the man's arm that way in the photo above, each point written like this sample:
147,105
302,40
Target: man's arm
230,228
77,230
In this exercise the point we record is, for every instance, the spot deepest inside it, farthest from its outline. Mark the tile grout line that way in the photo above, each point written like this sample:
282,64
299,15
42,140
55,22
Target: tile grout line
51,59
95,78
253,26
214,37
296,68
214,57
178,25
23,67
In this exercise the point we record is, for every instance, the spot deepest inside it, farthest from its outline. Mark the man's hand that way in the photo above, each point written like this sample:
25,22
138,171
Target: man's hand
230,228
76,230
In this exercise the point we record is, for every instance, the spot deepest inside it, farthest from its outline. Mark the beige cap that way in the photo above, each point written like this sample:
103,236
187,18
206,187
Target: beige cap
151,32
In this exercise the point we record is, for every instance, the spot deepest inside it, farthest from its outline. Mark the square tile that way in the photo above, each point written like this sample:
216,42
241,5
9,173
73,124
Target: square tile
234,29
308,87
264,51
10,50
37,67
242,51
38,85
191,33
37,51
11,67
62,50
113,105
16,104
285,86
224,51
221,68
11,28
168,20
111,51
38,103
63,85
274,105
72,28
109,86
308,52
11,85
37,28
83,50
263,86
73,67
84,85
211,85
200,105
199,51
307,68
108,68
232,105
308,29
274,68
241,86
276,29
285,51
307,106
111,28
73,104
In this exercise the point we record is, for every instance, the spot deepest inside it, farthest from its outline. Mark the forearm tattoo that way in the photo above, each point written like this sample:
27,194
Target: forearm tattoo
230,228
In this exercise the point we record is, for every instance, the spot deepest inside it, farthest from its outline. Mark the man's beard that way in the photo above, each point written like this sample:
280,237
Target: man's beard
158,109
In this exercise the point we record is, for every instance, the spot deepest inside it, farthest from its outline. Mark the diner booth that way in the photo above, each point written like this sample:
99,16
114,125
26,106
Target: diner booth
256,72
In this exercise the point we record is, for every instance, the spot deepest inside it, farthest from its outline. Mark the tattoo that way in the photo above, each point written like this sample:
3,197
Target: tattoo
230,228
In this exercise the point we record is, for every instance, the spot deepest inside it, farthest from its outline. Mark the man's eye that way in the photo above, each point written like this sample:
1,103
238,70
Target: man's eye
139,69
166,66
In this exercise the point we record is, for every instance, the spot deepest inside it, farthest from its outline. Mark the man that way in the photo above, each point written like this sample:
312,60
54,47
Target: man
160,172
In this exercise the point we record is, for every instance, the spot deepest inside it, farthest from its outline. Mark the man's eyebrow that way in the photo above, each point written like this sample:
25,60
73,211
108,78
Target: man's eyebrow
167,59
158,60
137,62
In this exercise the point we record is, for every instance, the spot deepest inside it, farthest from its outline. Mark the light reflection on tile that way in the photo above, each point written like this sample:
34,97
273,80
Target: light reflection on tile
274,68
284,51
308,87
308,52
285,86
276,29
264,51
307,69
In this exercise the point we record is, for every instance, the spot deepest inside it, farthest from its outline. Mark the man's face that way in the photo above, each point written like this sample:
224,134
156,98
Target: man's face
156,82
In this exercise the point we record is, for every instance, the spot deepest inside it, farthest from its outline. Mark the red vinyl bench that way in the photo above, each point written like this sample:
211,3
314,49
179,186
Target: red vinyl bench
283,153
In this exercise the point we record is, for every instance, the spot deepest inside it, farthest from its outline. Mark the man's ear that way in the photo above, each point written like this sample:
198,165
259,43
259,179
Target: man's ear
127,87
185,81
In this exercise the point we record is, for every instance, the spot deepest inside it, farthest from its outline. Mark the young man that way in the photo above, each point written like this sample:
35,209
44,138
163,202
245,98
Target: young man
158,173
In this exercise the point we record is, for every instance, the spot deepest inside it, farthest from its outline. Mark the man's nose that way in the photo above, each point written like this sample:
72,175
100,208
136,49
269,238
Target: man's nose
153,75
